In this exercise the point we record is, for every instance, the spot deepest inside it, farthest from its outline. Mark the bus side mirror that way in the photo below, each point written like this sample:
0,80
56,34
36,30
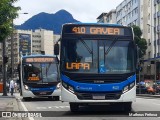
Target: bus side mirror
56,49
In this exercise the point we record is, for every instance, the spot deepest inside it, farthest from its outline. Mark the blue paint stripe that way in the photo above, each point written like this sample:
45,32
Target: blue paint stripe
89,87
43,89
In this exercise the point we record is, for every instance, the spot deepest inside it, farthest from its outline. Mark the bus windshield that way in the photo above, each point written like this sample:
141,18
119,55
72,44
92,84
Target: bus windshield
40,72
98,56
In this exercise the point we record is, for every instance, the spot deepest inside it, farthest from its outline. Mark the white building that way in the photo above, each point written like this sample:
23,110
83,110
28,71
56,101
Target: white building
145,14
109,17
139,13
128,12
29,42
102,18
156,26
43,40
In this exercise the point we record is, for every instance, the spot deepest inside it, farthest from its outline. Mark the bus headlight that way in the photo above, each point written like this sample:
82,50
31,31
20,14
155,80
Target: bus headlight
71,89
68,87
125,89
58,86
26,87
132,85
128,87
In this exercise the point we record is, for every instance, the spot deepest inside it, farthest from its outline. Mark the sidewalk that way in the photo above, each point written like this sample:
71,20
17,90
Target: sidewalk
8,103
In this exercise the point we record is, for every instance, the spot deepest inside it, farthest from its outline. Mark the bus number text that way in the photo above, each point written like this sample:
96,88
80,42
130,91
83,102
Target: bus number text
71,66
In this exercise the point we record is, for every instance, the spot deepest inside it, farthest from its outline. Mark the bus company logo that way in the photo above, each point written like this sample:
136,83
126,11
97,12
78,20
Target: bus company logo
115,87
6,114
83,88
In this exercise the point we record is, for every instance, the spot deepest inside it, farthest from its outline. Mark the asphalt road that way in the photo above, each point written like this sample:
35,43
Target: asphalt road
61,111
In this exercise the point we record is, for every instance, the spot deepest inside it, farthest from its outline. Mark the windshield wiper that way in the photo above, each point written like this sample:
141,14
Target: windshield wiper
89,50
110,47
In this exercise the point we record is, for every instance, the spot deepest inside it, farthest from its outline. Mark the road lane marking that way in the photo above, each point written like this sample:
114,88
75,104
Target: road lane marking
156,103
25,109
41,108
52,107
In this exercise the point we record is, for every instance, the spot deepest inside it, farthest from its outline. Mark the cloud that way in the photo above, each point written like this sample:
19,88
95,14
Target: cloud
83,10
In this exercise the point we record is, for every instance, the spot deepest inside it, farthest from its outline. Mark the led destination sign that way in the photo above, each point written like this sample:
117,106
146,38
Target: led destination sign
77,66
40,60
97,30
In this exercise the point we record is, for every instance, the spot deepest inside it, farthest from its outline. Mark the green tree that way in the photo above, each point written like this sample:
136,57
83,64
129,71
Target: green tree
141,42
8,12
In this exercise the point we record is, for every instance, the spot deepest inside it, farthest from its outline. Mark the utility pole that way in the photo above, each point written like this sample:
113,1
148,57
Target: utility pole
4,69
12,51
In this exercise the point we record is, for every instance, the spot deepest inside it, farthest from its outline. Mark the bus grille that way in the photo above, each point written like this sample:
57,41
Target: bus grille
43,93
108,96
97,78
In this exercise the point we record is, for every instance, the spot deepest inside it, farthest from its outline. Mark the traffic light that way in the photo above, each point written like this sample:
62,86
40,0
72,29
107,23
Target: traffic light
5,59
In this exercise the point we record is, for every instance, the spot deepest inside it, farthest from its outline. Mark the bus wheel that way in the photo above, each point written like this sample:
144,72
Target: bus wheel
26,98
74,107
56,98
128,106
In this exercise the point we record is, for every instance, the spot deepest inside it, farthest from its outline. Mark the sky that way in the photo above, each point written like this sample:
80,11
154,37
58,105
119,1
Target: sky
82,10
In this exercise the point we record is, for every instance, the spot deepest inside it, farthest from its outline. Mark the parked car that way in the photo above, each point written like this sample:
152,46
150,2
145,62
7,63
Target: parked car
151,90
158,86
141,89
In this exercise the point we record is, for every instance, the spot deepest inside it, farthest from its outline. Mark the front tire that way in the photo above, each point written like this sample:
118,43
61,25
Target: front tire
26,98
127,106
74,107
56,98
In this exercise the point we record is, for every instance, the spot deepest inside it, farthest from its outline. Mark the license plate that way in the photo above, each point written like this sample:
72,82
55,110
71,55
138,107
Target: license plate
43,93
98,97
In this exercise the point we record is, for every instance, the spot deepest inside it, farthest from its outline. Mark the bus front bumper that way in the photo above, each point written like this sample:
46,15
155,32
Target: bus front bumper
67,96
27,93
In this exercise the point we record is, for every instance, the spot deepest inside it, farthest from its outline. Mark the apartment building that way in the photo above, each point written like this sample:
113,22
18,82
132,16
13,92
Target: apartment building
140,13
42,40
157,26
28,42
156,34
102,18
21,44
24,41
145,14
128,12
109,17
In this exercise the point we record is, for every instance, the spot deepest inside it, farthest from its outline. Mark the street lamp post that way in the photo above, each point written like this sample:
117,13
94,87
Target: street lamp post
12,49
4,69
12,58
155,62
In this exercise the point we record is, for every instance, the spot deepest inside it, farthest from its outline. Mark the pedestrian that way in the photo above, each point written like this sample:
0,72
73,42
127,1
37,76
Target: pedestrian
11,87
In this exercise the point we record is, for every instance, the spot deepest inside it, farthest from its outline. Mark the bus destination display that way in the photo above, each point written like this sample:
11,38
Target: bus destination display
40,60
97,30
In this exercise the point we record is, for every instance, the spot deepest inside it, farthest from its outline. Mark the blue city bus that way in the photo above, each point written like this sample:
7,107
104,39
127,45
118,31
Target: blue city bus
39,75
97,65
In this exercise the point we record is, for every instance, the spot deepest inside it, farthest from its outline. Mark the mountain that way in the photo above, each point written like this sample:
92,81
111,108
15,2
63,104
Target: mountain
48,21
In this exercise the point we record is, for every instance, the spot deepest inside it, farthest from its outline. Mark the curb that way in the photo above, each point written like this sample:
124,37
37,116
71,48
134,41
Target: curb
144,95
7,96
13,105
